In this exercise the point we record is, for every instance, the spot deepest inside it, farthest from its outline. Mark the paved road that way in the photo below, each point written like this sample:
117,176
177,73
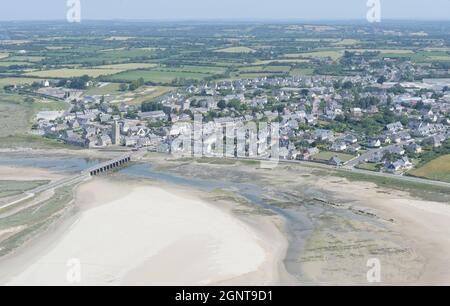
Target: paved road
57,184
140,153
363,157
359,171
79,177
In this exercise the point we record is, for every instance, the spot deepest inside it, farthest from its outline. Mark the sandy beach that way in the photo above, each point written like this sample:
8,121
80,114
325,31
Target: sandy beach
421,226
138,234
352,222
130,231
28,174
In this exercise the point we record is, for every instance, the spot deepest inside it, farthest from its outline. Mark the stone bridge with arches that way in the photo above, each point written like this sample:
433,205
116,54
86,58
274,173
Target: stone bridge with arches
108,165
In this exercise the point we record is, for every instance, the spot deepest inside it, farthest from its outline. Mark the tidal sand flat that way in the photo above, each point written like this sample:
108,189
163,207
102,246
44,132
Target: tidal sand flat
27,174
335,226
139,234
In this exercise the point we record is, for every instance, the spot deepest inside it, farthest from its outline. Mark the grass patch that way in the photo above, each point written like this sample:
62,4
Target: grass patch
157,76
71,73
194,69
31,141
346,42
34,220
15,115
385,51
423,191
368,166
108,89
236,50
268,69
215,161
16,81
282,61
127,66
333,54
26,58
10,64
149,93
12,188
327,155
437,169
302,71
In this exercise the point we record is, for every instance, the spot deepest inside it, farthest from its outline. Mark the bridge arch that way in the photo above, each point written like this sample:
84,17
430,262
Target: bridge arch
109,165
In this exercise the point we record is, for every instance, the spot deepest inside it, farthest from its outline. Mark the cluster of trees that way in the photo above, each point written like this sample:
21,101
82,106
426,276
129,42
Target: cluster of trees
369,125
234,103
367,102
133,86
75,83
347,85
151,106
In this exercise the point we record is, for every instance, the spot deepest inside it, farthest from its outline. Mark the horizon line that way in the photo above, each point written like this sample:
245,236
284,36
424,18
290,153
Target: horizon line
276,20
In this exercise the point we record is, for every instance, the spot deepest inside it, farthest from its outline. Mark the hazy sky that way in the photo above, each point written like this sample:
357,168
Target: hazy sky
224,9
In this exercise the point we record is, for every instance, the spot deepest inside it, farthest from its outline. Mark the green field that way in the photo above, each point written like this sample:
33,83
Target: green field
282,61
11,188
49,105
71,73
302,71
327,155
368,166
346,42
27,223
128,54
15,115
237,50
149,93
157,76
26,58
109,89
268,69
333,54
437,169
385,51
127,66
427,192
9,64
419,56
31,141
194,69
251,75
17,81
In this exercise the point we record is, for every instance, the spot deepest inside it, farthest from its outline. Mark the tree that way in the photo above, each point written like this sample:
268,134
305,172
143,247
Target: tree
381,79
222,104
79,83
304,92
123,87
28,100
151,106
322,105
136,84
347,85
